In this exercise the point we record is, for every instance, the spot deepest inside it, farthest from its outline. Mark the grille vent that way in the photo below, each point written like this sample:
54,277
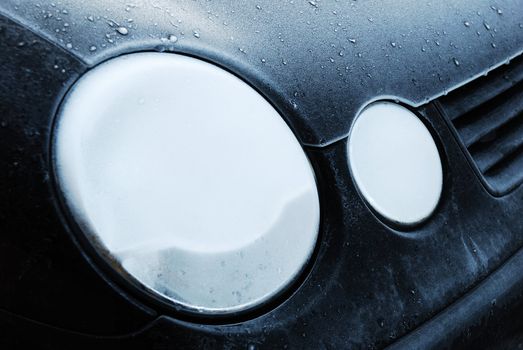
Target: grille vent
488,117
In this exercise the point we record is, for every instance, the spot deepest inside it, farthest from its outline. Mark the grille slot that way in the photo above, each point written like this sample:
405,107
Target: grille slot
487,115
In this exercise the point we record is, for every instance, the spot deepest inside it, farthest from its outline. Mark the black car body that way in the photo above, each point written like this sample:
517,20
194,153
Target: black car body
455,280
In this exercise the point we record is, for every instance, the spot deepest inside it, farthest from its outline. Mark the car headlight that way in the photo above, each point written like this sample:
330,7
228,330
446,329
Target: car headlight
186,180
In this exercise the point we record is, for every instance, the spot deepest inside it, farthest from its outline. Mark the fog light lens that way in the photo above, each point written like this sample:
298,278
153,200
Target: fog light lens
395,163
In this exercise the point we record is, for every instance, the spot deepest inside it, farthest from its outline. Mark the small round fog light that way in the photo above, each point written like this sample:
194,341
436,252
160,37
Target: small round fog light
395,163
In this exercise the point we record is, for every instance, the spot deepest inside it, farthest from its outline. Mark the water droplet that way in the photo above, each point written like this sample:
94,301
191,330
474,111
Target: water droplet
263,60
497,9
486,25
258,7
172,38
352,40
313,3
122,30
466,24
196,34
90,18
456,62
393,44
69,46
493,45
92,48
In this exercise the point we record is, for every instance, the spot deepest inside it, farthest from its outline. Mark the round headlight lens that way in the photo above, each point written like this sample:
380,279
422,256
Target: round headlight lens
188,180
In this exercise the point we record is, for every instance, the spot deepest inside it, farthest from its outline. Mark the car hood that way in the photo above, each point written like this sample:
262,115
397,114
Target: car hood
319,62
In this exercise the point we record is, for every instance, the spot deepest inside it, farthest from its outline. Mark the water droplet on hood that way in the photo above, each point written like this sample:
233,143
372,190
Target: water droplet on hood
497,9
122,30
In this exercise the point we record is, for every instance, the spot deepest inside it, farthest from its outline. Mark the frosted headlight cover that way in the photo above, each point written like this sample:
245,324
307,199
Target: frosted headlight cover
188,179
